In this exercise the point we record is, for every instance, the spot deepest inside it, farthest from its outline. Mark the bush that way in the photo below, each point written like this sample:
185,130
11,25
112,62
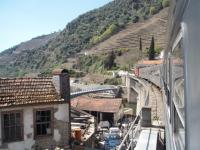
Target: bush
135,19
45,73
73,73
109,61
158,50
165,3
153,10
96,63
113,81
112,29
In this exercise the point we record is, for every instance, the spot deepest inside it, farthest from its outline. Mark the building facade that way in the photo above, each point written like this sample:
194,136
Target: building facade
34,112
104,109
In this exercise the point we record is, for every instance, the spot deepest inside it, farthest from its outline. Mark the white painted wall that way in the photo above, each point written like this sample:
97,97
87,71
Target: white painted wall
28,128
56,83
57,135
16,146
61,114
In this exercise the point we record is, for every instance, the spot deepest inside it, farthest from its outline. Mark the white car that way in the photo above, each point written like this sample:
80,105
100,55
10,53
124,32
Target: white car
115,130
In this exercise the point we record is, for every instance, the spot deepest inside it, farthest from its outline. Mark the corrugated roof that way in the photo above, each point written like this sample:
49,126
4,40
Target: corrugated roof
23,91
99,105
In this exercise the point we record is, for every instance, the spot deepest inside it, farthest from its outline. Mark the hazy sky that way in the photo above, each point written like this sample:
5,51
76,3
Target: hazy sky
21,20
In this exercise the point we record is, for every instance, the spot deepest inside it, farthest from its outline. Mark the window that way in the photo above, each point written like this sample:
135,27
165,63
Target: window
178,95
12,127
178,80
43,122
179,131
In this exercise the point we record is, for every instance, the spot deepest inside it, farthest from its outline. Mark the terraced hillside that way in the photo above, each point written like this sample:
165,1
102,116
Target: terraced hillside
106,28
129,37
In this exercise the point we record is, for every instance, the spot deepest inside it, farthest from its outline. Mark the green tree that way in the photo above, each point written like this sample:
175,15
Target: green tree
153,10
140,44
140,48
112,29
152,50
165,3
110,60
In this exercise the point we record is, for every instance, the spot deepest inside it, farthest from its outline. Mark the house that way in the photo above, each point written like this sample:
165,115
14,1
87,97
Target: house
85,124
34,112
104,109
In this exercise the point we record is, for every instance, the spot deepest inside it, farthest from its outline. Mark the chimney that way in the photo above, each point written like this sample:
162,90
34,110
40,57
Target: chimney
61,82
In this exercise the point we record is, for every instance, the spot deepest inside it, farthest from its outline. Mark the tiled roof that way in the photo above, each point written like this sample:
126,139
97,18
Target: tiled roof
150,62
25,91
99,105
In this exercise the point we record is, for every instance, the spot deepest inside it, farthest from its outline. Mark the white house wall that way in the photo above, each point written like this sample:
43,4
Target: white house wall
28,128
16,145
61,115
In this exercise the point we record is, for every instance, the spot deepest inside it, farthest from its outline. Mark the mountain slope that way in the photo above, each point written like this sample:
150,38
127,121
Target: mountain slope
9,57
129,37
82,33
126,43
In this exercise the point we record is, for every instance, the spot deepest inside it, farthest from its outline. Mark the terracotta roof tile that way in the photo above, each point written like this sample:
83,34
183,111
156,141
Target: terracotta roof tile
150,62
24,91
94,104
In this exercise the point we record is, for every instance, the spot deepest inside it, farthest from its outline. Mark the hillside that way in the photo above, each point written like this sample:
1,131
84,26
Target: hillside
129,37
126,43
86,31
9,57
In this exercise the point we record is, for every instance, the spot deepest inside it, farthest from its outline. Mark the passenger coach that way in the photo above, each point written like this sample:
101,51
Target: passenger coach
181,76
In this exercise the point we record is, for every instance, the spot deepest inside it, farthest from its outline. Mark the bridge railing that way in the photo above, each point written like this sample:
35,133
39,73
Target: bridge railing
92,90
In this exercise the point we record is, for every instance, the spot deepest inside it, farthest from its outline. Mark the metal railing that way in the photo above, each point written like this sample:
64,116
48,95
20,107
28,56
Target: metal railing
92,90
128,141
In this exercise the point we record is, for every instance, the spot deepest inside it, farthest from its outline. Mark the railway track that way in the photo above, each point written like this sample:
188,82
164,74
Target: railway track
157,106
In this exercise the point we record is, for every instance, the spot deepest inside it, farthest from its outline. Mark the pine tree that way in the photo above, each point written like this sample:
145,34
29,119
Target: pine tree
152,50
140,48
140,44
110,60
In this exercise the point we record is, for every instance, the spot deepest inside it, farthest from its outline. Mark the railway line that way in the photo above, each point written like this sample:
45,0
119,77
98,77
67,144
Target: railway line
156,104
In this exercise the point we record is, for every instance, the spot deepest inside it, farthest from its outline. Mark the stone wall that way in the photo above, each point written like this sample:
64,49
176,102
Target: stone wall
151,73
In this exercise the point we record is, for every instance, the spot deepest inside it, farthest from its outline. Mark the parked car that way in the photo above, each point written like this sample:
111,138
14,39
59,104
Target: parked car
103,124
112,141
115,130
